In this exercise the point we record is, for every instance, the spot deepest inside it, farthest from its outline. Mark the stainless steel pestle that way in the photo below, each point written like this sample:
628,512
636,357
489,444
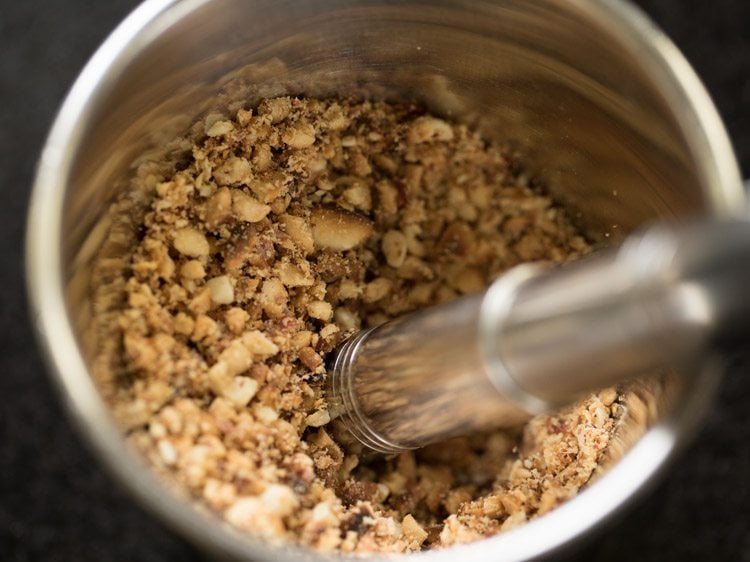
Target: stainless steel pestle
539,337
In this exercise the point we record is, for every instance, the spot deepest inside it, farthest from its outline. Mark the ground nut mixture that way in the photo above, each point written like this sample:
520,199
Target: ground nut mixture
282,230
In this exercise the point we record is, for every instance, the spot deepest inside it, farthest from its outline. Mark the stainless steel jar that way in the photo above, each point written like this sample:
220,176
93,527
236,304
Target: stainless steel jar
609,115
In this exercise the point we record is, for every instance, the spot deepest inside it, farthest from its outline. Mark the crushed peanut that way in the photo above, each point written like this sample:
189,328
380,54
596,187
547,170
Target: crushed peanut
289,226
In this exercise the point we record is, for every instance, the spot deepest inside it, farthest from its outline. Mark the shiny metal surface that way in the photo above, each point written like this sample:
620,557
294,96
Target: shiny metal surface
538,339
611,117
418,379
669,297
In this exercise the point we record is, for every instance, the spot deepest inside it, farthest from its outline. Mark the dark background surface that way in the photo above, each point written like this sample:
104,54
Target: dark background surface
56,503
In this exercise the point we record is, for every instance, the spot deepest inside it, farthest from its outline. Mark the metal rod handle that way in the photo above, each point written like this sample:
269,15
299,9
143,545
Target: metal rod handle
540,338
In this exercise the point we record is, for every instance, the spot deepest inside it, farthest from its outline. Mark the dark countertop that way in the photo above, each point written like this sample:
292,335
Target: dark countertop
56,503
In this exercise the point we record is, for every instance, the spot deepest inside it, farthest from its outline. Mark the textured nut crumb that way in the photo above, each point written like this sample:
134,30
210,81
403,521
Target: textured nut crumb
320,310
191,242
192,269
259,344
248,208
240,391
292,225
236,319
276,108
359,196
299,231
300,135
377,289
221,289
310,358
318,418
220,128
413,530
218,208
339,229
295,274
279,499
468,281
394,248
428,128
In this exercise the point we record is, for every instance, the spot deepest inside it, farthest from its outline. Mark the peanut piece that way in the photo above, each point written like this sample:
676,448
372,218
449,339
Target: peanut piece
248,208
394,246
299,135
220,128
426,128
339,229
192,269
413,531
222,291
299,231
218,208
190,242
320,310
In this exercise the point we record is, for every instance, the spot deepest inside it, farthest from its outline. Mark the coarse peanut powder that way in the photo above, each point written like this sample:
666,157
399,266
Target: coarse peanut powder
231,272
